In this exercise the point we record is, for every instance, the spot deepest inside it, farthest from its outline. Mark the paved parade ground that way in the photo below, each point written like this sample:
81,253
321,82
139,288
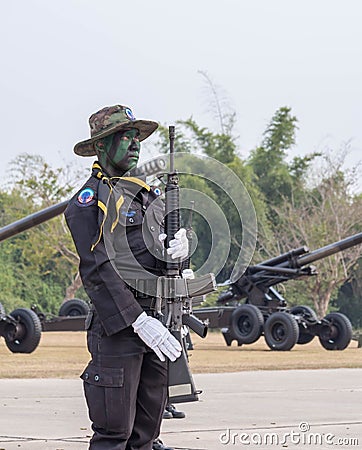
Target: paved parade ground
301,409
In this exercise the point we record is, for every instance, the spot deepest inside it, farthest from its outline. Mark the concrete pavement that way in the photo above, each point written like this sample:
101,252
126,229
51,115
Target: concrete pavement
301,409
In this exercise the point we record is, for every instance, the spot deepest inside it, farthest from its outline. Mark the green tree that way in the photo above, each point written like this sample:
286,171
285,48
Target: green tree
277,178
329,212
221,147
42,261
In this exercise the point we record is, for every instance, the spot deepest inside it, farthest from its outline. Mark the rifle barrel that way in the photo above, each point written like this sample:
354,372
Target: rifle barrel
172,207
32,220
171,131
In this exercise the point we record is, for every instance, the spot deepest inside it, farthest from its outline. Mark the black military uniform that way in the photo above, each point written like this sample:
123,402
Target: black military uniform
125,382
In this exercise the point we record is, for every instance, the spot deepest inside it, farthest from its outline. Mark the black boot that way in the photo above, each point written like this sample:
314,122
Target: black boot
167,415
175,413
158,445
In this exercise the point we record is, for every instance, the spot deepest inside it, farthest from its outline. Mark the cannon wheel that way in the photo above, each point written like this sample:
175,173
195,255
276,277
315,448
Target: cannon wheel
310,315
25,336
338,334
2,310
247,324
74,307
281,331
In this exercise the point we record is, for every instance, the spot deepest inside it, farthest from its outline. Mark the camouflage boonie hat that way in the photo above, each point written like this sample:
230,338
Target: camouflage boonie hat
107,121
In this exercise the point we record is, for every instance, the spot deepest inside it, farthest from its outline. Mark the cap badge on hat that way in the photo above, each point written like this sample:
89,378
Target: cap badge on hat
129,114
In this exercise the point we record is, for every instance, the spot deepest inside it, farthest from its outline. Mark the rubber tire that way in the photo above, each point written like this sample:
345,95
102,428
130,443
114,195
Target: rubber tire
305,311
342,324
2,310
73,308
281,331
247,323
31,322
304,338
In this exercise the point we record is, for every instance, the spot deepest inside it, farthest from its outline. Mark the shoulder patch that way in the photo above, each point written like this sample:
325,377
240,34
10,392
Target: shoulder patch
86,197
156,190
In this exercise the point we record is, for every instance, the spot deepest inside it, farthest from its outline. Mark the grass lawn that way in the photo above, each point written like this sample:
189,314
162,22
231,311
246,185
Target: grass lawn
64,355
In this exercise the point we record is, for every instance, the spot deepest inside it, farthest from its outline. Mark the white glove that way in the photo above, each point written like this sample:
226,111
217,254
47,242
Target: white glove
162,237
188,274
184,331
179,246
157,337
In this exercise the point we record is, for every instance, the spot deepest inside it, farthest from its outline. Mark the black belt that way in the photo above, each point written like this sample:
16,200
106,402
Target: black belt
147,302
143,288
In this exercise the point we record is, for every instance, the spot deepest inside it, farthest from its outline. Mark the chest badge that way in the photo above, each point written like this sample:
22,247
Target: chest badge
86,196
129,213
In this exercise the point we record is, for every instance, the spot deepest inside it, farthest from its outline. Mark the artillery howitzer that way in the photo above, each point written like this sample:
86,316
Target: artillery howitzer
265,310
22,328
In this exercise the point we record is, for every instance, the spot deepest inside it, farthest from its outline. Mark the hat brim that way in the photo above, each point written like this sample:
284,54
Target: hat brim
145,128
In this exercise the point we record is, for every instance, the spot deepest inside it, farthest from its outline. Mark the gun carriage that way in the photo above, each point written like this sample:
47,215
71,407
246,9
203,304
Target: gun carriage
265,311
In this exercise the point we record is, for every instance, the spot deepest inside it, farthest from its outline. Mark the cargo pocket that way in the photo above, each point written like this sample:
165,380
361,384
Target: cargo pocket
104,392
103,376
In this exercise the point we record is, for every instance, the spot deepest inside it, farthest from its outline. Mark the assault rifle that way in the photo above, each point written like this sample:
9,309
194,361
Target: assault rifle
178,292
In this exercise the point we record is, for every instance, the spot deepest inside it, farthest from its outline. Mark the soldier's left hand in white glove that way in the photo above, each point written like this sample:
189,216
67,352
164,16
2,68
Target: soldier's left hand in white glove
157,337
179,246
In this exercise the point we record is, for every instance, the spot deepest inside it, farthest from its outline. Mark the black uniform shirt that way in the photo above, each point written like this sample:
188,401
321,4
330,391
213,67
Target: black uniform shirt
114,302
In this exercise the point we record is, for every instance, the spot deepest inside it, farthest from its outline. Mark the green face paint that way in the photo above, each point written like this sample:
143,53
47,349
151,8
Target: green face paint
120,152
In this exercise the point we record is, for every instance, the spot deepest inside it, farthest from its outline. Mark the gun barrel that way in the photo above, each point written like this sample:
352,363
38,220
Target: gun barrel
330,249
171,131
32,220
284,258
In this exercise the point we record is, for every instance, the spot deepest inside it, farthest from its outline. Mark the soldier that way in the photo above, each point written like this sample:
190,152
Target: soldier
125,383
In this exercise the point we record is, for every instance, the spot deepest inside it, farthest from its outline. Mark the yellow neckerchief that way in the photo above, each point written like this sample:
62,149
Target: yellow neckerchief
102,201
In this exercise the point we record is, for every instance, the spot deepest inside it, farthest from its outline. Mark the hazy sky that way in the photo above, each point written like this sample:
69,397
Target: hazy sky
63,60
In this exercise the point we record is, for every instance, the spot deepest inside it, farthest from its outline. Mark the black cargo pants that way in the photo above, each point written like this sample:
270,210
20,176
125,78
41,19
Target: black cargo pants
125,386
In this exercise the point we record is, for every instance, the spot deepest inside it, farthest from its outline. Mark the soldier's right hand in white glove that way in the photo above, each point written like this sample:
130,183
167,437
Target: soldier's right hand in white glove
179,246
157,337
